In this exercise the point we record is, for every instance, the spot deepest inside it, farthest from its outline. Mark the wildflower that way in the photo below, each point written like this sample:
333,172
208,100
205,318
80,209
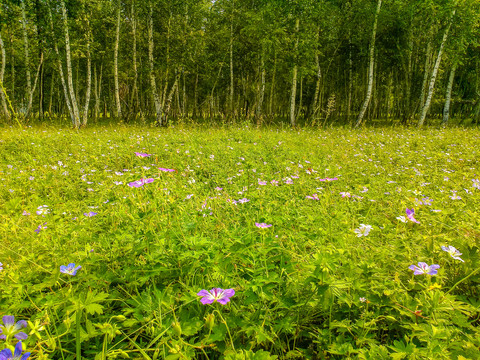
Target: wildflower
43,210
424,269
476,184
218,188
454,253
216,294
140,183
313,197
410,214
25,213
10,328
188,197
90,214
274,182
345,194
6,354
142,154
362,299
70,269
166,170
363,230
243,201
260,182
1,266
402,219
40,227
455,196
262,225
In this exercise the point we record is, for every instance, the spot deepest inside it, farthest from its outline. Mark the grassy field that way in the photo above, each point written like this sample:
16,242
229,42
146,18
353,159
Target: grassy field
335,276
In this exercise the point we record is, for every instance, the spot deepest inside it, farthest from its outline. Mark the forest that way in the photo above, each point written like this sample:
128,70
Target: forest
311,62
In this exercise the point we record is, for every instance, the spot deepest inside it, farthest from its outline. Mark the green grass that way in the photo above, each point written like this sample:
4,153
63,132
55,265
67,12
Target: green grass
307,287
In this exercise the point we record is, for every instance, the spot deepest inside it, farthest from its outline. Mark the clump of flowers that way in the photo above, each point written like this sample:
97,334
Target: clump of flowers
262,225
424,269
40,228
363,230
139,154
43,210
70,269
216,294
10,328
6,354
140,183
454,253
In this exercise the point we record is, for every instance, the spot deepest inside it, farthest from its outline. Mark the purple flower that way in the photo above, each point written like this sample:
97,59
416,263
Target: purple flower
410,214
166,170
243,201
1,266
70,269
142,154
10,328
313,197
25,213
345,194
6,354
90,214
43,210
40,227
261,182
424,269
454,253
262,225
216,294
140,183
476,184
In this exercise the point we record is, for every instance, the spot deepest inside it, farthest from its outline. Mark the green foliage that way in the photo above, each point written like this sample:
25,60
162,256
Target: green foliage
307,287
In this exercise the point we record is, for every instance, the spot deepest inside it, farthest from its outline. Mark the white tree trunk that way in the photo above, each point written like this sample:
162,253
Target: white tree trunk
115,63
73,99
431,86
2,73
156,99
448,96
261,88
89,77
370,68
294,77
230,103
27,56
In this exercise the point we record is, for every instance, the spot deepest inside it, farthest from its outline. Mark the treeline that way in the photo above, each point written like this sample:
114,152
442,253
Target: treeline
307,61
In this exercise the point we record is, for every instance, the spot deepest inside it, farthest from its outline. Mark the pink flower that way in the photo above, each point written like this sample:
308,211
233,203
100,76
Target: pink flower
142,154
140,183
262,225
216,294
166,170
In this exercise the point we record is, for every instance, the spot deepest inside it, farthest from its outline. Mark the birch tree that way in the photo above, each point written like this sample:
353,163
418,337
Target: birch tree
370,68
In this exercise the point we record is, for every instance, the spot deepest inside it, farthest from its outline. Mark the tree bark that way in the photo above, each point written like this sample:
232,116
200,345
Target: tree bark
115,63
230,105
294,77
2,73
73,99
156,99
89,77
135,98
431,87
27,55
448,96
261,89
371,68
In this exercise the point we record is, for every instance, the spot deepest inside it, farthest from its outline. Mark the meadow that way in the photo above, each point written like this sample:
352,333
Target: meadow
326,244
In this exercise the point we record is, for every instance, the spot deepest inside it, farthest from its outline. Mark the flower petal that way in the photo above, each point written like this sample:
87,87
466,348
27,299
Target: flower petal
18,349
8,320
203,293
21,336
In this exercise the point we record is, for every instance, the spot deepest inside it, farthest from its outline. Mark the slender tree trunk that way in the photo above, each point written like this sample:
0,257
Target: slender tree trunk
261,88
294,77
156,99
115,63
135,99
426,73
73,99
316,104
30,99
27,55
12,71
195,95
371,68
2,73
89,77
40,39
448,96
230,105
272,87
431,87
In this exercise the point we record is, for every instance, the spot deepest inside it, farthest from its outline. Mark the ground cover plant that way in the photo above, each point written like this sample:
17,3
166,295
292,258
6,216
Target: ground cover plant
239,243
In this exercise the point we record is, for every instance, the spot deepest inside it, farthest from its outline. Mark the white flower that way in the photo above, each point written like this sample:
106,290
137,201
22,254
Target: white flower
363,230
402,219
